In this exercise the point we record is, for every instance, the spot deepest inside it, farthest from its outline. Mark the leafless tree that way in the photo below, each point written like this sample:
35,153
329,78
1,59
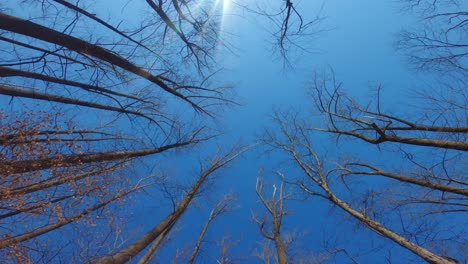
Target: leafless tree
51,179
346,118
153,249
438,42
43,61
225,205
64,163
276,211
197,29
225,245
144,241
292,30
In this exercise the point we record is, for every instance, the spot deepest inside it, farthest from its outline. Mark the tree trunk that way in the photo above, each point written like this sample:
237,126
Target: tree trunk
200,239
402,178
37,31
280,250
151,251
65,100
383,231
44,185
12,167
7,242
136,247
9,72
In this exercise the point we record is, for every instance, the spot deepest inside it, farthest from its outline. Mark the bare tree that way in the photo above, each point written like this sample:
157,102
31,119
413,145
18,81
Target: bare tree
291,29
197,29
139,245
157,244
225,205
75,157
23,166
346,118
276,211
439,41
57,186
43,61
429,185
226,244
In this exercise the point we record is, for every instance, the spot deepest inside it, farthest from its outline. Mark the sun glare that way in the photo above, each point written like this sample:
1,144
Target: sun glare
225,6
224,3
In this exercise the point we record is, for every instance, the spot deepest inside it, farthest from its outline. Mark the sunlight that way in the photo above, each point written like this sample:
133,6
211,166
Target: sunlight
215,9
225,6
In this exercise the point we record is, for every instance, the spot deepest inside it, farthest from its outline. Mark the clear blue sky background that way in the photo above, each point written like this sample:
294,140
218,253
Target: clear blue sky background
357,43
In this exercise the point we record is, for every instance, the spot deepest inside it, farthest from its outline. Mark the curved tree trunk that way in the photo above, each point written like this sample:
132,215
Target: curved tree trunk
383,231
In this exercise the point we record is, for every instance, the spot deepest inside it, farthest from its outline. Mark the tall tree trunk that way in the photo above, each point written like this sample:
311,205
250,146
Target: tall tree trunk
318,177
28,28
9,72
152,249
280,250
136,247
383,231
66,100
47,184
402,178
200,239
8,242
12,167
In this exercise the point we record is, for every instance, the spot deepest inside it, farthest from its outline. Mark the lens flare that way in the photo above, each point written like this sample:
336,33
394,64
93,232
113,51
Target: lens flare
225,6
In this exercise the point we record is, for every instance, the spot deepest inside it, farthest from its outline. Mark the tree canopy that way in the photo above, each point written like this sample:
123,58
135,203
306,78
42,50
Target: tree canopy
118,121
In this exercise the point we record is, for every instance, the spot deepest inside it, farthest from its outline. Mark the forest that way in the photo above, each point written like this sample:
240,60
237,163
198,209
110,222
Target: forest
233,131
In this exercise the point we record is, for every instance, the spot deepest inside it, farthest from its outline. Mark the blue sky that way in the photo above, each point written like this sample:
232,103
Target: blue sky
357,42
